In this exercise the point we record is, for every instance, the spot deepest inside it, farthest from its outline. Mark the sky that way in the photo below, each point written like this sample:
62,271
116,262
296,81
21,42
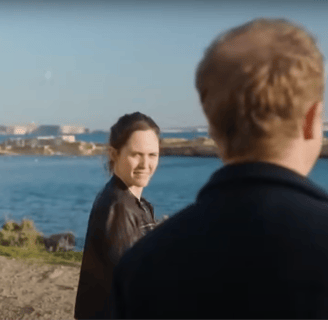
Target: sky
89,62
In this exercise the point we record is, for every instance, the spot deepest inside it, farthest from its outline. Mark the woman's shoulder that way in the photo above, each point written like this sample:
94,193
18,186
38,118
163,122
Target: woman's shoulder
107,196
102,207
112,194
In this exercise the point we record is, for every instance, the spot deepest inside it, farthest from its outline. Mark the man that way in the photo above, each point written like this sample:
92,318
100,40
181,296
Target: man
255,242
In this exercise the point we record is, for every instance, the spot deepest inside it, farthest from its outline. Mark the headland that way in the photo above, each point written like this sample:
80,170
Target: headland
67,146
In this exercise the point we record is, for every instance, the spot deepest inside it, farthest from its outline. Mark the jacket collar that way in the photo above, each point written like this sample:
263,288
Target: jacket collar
118,183
262,171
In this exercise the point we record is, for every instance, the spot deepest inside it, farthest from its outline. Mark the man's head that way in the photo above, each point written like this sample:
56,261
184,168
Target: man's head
261,86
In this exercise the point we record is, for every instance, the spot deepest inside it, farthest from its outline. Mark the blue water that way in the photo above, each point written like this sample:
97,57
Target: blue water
58,192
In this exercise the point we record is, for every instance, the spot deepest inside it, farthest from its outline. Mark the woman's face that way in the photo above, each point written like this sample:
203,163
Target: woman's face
138,159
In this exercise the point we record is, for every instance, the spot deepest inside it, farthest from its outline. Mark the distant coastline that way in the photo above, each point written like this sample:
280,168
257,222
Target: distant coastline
68,146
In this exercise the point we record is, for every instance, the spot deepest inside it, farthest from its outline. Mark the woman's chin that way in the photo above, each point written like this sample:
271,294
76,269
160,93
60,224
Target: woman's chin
141,182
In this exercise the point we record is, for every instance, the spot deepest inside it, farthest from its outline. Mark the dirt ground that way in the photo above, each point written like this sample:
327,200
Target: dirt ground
37,291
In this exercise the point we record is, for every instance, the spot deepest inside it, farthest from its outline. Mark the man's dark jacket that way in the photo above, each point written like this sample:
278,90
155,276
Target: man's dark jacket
253,245
117,220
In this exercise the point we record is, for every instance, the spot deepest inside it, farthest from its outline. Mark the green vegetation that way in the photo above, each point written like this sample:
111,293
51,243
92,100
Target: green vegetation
22,234
70,258
23,241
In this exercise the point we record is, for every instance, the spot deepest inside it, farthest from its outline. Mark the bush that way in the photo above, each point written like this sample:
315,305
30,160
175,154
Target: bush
22,234
24,241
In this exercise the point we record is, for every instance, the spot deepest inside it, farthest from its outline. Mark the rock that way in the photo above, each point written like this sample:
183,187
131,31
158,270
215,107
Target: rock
60,242
208,142
56,274
189,151
172,140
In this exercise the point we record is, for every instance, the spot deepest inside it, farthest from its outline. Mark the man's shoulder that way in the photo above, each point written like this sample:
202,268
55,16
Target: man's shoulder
233,197
252,176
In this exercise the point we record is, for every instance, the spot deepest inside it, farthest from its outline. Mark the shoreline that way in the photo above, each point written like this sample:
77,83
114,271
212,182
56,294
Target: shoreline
199,147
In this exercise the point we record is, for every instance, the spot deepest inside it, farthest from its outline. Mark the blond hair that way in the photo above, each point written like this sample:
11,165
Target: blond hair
256,82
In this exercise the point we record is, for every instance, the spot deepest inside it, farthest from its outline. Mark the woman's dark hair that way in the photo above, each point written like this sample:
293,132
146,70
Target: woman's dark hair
122,130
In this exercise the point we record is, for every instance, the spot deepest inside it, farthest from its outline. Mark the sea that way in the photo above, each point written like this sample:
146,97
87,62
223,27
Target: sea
57,192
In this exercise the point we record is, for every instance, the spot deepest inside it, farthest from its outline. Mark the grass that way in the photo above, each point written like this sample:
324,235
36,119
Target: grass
41,255
23,241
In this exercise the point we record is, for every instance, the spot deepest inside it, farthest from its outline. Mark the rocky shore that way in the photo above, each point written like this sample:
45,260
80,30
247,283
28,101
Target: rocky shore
200,147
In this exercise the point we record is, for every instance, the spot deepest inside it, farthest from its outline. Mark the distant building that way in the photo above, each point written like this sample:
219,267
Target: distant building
73,130
68,138
31,127
3,130
21,129
185,129
36,142
47,130
17,130
15,142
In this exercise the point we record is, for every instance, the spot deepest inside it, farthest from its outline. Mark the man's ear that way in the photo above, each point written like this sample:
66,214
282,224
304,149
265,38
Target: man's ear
310,120
112,153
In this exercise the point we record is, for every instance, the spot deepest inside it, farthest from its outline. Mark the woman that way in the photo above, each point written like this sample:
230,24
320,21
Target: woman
120,216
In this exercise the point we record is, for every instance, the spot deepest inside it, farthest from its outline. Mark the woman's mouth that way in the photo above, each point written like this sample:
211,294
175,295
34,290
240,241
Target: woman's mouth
141,173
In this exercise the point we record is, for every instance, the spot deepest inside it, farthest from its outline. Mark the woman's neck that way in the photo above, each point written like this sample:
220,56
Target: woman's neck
136,191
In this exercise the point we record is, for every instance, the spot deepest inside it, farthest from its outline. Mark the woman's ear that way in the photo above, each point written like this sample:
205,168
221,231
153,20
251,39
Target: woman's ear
112,153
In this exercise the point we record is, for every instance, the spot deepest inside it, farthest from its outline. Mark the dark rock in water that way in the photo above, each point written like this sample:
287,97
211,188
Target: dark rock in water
60,242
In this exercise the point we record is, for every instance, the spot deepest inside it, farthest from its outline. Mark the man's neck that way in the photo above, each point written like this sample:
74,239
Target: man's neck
285,164
294,163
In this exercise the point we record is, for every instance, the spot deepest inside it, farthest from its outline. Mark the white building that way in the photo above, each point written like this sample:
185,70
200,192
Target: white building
21,129
68,138
73,129
17,130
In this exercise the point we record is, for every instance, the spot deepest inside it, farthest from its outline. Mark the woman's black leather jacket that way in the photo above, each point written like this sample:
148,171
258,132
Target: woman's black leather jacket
117,220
